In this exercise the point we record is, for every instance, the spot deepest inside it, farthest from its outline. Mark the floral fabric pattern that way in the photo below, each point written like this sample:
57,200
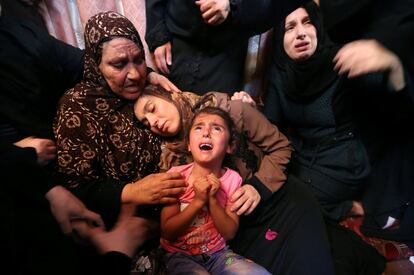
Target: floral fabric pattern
97,135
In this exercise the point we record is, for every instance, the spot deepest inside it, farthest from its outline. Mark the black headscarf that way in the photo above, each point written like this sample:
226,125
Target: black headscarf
305,80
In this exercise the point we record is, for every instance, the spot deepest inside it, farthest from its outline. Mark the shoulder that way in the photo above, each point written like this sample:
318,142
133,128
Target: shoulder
184,169
231,175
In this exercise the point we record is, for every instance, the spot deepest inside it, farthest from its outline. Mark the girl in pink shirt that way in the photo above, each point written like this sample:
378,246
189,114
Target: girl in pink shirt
194,230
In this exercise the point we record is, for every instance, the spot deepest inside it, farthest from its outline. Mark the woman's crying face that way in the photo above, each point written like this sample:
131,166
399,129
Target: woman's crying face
300,40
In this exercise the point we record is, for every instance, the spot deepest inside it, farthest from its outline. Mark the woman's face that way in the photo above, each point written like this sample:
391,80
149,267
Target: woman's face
123,67
300,39
160,115
209,139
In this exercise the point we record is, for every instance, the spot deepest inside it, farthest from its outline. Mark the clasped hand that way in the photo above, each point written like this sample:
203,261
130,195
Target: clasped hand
205,188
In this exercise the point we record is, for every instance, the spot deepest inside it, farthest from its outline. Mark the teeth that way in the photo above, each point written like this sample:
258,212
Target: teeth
206,146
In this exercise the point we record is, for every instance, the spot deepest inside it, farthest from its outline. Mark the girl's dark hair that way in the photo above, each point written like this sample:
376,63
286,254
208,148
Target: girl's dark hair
233,135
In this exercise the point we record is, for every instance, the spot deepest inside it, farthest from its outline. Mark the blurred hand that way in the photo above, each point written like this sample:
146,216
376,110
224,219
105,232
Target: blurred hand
128,234
368,56
45,148
157,79
163,57
243,96
363,56
66,207
245,200
155,188
214,12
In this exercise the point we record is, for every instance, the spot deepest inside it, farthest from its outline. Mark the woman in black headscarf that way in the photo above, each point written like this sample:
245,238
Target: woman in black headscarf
316,103
390,22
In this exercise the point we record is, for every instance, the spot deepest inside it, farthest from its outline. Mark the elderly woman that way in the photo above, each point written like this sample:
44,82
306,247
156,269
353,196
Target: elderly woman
103,153
286,227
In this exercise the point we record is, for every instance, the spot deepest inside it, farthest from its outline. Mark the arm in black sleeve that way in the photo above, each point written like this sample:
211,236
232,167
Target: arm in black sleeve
21,173
272,109
257,16
100,196
71,63
157,33
68,62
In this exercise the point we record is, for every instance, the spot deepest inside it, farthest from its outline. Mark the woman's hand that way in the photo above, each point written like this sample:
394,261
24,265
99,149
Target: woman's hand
367,56
163,57
128,234
214,12
45,148
243,96
65,207
154,189
157,79
245,200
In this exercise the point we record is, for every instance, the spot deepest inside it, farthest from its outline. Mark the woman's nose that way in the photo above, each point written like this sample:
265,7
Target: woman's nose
133,73
300,32
206,132
152,121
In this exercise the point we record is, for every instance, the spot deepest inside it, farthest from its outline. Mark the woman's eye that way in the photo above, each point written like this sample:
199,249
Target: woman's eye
118,65
288,28
218,129
306,22
139,60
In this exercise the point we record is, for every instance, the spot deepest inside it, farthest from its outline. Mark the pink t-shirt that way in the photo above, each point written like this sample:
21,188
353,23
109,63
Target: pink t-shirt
202,236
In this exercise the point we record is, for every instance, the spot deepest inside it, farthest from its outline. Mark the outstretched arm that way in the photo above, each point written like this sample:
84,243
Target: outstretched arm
367,56
66,207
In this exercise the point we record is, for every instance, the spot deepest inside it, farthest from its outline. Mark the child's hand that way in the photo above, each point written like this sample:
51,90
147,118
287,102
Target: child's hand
215,184
202,188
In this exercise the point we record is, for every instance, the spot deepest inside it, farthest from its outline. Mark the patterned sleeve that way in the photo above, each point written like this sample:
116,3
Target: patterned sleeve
78,160
275,147
75,133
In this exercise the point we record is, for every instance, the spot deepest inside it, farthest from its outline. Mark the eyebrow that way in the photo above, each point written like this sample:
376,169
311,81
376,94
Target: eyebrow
306,18
146,106
212,124
290,23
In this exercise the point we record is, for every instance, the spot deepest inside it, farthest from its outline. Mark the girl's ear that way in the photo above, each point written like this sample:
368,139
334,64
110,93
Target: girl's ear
188,146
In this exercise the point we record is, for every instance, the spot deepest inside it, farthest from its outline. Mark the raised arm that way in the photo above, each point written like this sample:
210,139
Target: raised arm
157,36
367,56
226,221
175,222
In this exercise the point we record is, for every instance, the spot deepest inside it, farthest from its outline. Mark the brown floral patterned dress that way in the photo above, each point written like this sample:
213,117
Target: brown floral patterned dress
100,145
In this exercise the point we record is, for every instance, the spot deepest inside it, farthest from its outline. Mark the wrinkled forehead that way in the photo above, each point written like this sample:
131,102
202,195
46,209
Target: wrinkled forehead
209,119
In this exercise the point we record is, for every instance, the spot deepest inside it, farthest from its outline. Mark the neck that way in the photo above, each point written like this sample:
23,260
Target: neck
200,170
